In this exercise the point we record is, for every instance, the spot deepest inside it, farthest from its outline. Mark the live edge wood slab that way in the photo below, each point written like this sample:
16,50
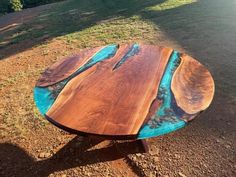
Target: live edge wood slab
124,91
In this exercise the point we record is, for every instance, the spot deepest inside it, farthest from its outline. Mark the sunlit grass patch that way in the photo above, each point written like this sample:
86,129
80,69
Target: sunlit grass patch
93,22
118,30
170,4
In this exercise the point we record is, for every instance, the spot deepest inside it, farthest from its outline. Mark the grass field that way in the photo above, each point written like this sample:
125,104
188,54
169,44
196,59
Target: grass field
94,22
35,38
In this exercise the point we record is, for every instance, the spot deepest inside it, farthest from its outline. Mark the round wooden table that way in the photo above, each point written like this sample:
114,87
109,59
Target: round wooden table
124,91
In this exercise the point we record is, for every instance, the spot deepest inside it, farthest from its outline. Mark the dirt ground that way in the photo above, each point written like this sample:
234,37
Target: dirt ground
30,146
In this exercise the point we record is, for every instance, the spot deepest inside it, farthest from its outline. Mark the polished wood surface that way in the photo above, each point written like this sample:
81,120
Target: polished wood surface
64,68
112,102
126,91
192,85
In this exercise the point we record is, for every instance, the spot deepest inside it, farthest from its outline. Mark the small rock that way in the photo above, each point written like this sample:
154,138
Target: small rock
59,139
217,140
138,154
177,156
46,155
41,155
151,174
64,175
75,171
144,165
204,165
154,150
156,159
181,174
134,158
88,174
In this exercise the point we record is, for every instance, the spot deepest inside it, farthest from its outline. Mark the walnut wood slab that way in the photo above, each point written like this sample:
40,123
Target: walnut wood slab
64,68
192,85
109,101
137,91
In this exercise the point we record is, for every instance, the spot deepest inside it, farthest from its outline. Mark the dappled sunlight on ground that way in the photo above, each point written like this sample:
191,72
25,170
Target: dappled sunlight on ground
170,4
105,21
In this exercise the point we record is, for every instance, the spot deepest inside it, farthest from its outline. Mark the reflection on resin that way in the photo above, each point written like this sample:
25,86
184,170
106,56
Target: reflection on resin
132,51
167,117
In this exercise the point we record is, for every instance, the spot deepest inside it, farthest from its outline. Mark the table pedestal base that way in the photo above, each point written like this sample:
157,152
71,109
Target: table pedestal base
143,143
141,146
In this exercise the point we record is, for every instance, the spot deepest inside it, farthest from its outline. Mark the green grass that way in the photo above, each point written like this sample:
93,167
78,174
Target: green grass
93,22
170,4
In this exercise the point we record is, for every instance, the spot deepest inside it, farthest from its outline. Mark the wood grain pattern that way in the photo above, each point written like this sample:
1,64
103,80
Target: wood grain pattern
192,85
128,91
65,67
107,101
164,116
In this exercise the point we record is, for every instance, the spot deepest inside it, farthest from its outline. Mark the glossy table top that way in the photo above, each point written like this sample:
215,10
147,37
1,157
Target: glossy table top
124,91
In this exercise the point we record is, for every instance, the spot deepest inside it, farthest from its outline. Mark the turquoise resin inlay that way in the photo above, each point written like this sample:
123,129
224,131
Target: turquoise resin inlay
44,97
167,117
132,51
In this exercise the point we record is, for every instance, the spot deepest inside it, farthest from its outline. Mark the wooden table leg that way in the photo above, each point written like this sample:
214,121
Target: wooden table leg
144,145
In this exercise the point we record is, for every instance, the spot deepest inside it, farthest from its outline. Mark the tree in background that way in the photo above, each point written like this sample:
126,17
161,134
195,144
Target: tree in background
15,5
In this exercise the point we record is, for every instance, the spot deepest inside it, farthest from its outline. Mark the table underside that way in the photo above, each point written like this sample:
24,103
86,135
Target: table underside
127,91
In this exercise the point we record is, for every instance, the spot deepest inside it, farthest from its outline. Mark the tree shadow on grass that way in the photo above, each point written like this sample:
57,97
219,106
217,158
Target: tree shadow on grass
66,18
16,162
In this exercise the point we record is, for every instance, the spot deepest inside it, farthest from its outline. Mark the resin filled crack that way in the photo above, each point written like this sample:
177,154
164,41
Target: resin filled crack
168,117
132,51
45,96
